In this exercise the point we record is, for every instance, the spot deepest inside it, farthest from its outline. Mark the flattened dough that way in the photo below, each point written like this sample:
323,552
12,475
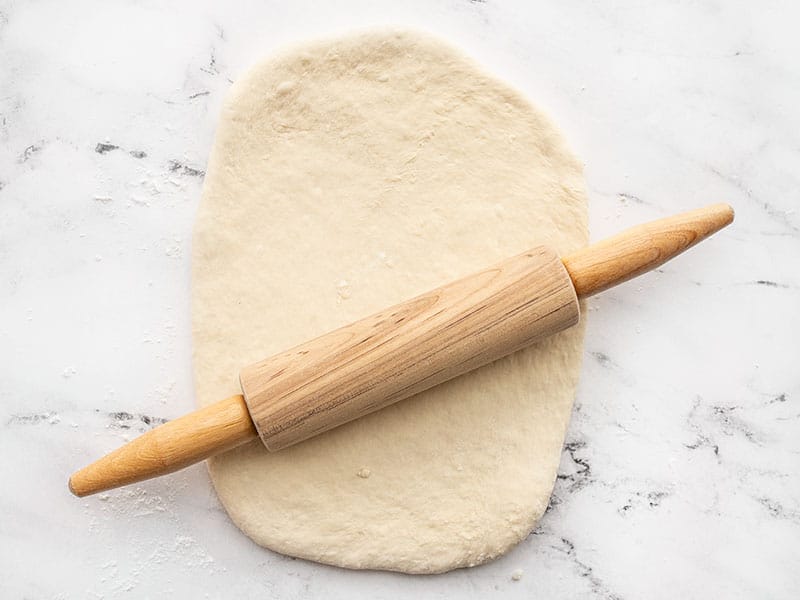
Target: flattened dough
346,176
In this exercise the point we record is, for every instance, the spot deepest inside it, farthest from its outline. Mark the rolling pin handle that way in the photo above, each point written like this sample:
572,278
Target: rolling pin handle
216,428
642,248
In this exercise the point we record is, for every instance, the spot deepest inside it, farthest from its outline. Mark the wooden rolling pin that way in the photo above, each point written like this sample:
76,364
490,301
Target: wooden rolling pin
401,351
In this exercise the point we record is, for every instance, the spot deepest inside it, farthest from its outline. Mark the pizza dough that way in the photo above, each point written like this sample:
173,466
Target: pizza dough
346,176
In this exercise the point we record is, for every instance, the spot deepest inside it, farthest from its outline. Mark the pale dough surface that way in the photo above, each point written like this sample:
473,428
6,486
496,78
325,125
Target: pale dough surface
346,176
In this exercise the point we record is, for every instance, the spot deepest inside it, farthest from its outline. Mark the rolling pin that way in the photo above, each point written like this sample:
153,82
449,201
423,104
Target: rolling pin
401,351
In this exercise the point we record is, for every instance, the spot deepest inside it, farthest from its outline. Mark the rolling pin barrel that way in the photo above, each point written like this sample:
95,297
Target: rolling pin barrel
408,348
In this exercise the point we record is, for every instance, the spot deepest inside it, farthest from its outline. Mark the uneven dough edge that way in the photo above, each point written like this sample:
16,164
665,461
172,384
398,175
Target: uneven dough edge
521,523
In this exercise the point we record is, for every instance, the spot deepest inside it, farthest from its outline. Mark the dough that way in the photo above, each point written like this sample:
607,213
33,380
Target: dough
346,176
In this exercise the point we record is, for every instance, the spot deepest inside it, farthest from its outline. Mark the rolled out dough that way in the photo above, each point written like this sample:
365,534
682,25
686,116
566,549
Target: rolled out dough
346,176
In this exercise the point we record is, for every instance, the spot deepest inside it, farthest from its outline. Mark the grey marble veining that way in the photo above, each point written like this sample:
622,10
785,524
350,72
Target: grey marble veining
681,472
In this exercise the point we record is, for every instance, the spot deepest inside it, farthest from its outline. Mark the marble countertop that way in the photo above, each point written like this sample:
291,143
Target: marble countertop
681,472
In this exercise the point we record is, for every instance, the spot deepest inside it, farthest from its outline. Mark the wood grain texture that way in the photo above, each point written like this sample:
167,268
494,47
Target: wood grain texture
169,447
642,248
408,348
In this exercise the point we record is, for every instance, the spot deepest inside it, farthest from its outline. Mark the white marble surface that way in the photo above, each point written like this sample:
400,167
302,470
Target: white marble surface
681,473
